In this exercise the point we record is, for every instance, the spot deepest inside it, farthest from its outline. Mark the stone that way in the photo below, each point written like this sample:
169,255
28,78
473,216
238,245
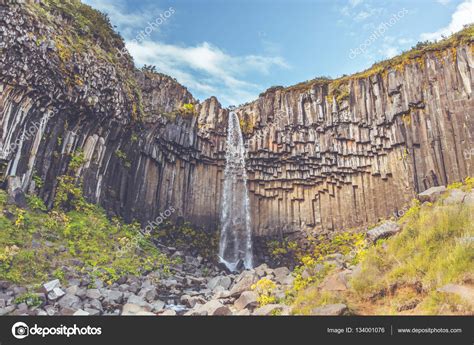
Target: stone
335,282
456,196
432,194
168,312
92,312
157,305
81,312
464,291
68,301
214,308
113,297
385,230
261,270
248,299
149,293
130,309
268,309
244,283
7,310
469,199
49,286
223,281
330,309
243,312
191,301
93,294
140,301
55,294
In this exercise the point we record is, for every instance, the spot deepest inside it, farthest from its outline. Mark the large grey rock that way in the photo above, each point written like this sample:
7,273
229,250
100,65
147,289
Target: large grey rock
140,301
330,309
244,283
93,294
213,308
55,294
432,194
269,309
223,281
130,309
69,301
49,286
456,196
335,282
463,291
385,230
248,299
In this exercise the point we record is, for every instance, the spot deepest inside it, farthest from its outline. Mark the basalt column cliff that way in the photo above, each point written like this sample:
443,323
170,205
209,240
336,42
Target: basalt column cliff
322,155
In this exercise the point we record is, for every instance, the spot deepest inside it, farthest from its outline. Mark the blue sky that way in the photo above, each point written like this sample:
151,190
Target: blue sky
236,49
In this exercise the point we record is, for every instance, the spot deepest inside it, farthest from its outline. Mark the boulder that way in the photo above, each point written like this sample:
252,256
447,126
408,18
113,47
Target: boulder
456,196
49,286
432,194
168,312
248,299
130,309
214,308
223,281
463,291
269,309
93,293
81,312
331,309
335,282
55,294
69,301
385,230
16,195
244,283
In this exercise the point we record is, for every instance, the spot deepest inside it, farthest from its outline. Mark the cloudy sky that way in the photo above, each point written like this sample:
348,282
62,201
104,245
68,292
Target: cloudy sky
236,49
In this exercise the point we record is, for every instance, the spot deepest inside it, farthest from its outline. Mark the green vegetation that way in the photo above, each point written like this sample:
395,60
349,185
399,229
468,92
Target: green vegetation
247,123
187,237
406,269
265,289
37,245
31,299
428,251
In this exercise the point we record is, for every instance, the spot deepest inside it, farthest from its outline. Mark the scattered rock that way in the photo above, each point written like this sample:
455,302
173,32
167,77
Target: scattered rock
244,283
456,196
49,286
248,299
385,230
269,309
431,194
463,291
331,309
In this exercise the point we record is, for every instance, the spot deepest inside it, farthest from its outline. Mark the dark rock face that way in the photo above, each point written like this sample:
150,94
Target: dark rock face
316,161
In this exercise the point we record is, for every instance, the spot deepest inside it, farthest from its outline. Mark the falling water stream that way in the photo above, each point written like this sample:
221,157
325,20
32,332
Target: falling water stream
236,239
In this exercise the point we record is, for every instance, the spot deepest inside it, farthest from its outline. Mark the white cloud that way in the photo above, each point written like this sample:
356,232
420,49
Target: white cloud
129,23
464,14
206,68
443,2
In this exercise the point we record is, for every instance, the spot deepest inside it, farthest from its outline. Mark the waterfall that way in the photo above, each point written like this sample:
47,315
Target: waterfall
236,238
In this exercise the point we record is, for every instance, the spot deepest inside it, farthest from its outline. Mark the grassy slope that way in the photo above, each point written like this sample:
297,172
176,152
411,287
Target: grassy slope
429,253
